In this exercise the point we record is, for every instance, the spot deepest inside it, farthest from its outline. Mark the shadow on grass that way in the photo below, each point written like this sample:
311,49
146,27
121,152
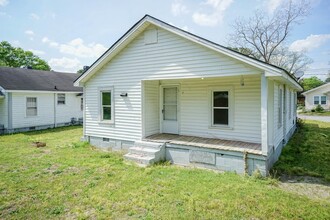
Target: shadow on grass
307,153
52,130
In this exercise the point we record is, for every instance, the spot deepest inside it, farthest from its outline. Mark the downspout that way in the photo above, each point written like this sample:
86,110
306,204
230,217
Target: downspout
54,110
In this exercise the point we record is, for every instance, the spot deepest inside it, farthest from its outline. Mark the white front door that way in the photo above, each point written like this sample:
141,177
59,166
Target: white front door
169,110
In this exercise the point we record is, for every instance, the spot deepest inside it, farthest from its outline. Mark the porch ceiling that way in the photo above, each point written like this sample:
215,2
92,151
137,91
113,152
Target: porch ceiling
212,143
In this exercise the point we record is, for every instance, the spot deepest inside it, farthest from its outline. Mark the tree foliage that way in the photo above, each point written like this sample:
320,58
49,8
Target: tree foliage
16,57
311,83
264,36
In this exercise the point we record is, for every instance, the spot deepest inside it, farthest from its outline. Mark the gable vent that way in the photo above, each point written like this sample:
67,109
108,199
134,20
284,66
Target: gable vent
151,36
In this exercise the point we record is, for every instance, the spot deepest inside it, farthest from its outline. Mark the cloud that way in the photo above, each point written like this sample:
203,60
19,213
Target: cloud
3,2
65,64
77,48
29,32
49,42
37,52
34,16
311,42
272,5
216,16
177,8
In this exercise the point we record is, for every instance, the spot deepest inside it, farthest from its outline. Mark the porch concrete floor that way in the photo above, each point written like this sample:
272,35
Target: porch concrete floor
212,143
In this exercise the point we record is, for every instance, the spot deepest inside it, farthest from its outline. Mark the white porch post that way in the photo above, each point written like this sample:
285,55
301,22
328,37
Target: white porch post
264,114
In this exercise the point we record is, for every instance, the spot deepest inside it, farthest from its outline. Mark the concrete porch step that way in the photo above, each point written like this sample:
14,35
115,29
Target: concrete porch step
146,153
142,160
148,144
143,151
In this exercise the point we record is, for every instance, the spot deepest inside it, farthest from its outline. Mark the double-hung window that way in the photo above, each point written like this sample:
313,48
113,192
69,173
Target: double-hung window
323,100
320,100
220,108
31,106
106,105
61,99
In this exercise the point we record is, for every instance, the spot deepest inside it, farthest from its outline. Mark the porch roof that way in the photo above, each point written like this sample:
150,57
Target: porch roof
213,143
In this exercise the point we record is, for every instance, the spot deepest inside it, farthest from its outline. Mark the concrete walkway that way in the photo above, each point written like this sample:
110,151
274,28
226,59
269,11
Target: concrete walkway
316,118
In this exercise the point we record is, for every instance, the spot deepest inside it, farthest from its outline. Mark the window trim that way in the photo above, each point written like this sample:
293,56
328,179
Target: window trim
58,99
26,106
100,91
230,107
319,99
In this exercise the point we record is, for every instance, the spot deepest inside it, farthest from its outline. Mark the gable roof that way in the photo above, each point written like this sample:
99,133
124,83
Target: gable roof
37,80
142,24
319,87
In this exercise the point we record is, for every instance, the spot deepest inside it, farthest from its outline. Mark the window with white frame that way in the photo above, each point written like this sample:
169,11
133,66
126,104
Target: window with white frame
220,108
320,100
31,106
323,100
280,107
106,105
61,99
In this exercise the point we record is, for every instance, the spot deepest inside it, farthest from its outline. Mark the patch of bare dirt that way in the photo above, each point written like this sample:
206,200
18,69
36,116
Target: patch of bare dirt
312,187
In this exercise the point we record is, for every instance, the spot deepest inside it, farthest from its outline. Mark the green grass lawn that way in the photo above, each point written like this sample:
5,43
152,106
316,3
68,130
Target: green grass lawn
69,179
325,113
308,151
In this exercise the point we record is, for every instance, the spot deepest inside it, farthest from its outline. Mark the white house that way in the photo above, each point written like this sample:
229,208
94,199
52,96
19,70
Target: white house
164,93
33,99
318,96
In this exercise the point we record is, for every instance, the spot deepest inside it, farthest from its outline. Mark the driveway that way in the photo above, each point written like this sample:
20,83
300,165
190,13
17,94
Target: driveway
316,118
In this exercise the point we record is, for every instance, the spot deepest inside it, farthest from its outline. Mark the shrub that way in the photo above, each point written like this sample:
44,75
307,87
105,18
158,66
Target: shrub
319,108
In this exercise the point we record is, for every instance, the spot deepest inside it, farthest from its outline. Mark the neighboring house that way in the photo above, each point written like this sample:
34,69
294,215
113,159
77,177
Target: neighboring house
164,93
33,99
318,96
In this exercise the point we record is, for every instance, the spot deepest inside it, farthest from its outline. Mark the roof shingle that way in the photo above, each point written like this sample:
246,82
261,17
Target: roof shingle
37,80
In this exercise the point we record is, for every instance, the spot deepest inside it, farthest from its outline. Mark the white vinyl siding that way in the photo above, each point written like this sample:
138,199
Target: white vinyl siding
46,103
152,110
4,112
278,115
31,106
172,57
280,107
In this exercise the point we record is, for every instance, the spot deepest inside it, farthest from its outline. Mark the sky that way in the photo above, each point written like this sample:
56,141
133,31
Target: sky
70,34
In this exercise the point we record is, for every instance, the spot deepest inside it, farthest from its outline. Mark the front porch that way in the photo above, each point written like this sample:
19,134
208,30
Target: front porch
207,143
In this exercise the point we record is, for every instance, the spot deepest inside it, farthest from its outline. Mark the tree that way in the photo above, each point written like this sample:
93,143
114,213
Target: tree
311,83
266,35
17,57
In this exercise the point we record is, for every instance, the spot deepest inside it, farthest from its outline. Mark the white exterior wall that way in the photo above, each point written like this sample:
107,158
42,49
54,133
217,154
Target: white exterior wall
278,129
4,112
172,57
309,97
288,117
45,109
195,108
151,102
71,109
